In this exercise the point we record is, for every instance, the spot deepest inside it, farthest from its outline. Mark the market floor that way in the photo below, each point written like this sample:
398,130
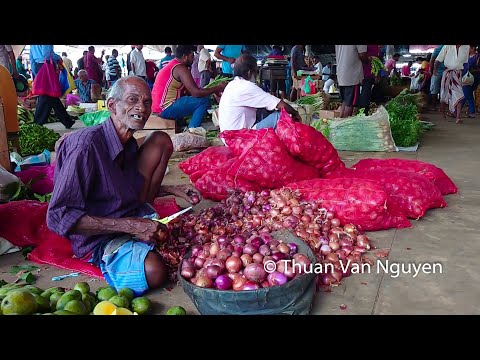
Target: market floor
445,238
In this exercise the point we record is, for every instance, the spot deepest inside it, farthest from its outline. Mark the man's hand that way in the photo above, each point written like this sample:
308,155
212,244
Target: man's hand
148,230
186,192
231,60
296,117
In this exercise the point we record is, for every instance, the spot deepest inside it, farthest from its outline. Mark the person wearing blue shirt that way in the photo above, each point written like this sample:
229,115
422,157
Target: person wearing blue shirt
166,59
228,54
39,55
84,86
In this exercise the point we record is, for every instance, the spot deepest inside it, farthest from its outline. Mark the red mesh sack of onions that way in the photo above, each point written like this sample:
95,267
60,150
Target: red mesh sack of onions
266,162
361,202
239,140
434,174
216,184
208,159
308,145
409,192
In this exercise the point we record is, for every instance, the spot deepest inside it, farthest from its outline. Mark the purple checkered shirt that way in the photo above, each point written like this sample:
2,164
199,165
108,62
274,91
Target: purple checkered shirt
88,181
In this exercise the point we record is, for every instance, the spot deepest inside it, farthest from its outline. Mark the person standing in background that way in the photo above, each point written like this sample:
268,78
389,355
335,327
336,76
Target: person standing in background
350,60
451,92
297,62
39,55
406,69
21,68
166,59
137,61
391,65
92,66
318,65
435,79
194,69
106,74
67,63
204,67
473,67
81,61
129,63
228,54
326,71
7,59
114,70
368,79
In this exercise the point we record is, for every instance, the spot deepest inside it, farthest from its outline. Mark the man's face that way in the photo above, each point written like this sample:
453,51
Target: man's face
139,47
190,57
134,107
83,76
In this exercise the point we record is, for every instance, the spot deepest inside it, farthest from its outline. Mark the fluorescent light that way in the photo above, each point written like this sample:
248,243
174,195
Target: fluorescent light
407,55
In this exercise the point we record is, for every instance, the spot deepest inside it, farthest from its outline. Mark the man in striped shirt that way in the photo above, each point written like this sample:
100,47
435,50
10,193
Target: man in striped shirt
113,67
108,216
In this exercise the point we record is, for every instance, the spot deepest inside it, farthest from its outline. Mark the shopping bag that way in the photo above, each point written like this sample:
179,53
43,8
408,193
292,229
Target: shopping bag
66,82
47,81
467,79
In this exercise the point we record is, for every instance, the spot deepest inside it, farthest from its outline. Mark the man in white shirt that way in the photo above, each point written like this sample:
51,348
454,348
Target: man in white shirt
350,59
451,91
242,97
204,66
328,83
326,71
137,62
318,65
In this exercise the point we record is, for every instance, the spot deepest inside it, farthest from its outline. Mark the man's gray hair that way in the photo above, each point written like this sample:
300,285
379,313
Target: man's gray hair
118,88
82,71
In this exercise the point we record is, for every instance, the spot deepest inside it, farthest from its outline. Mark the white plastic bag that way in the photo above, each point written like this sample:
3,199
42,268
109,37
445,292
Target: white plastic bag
467,79
8,185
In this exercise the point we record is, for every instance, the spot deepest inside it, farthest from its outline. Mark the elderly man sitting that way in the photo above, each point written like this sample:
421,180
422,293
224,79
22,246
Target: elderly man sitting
242,97
84,86
104,185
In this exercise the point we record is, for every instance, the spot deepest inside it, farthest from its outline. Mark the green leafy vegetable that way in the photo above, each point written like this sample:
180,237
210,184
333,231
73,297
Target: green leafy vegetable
36,138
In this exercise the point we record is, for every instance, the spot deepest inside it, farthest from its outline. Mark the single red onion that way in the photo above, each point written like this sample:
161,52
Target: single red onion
223,282
276,278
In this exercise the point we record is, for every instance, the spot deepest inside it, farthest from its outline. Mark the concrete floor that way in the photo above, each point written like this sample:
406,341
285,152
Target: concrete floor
445,236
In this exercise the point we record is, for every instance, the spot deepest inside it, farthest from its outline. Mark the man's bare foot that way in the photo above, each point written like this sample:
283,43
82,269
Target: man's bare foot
459,121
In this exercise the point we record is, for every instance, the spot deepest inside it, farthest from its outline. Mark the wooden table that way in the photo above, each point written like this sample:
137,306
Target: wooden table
276,74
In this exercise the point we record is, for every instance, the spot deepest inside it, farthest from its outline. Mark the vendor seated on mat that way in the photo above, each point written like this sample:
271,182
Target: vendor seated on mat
242,97
105,185
175,94
84,86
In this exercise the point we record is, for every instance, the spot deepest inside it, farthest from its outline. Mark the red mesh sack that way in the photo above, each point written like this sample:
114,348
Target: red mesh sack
239,140
409,192
197,175
429,171
217,185
267,163
41,176
361,202
209,158
308,145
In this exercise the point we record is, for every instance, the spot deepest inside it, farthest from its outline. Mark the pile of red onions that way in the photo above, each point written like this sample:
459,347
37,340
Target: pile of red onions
254,215
237,263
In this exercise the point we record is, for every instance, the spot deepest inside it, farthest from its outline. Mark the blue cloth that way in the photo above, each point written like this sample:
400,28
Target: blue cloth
84,90
435,53
185,106
40,53
125,266
269,122
468,93
165,60
233,51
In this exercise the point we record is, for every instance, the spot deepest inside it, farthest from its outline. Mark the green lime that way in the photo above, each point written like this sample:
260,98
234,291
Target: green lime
176,310
141,305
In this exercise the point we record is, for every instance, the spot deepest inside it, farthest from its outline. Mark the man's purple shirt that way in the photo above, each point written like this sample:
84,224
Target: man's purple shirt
89,181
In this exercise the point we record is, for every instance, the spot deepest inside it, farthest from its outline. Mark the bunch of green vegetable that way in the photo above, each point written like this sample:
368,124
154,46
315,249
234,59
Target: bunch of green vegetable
217,81
377,65
406,129
36,138
315,100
